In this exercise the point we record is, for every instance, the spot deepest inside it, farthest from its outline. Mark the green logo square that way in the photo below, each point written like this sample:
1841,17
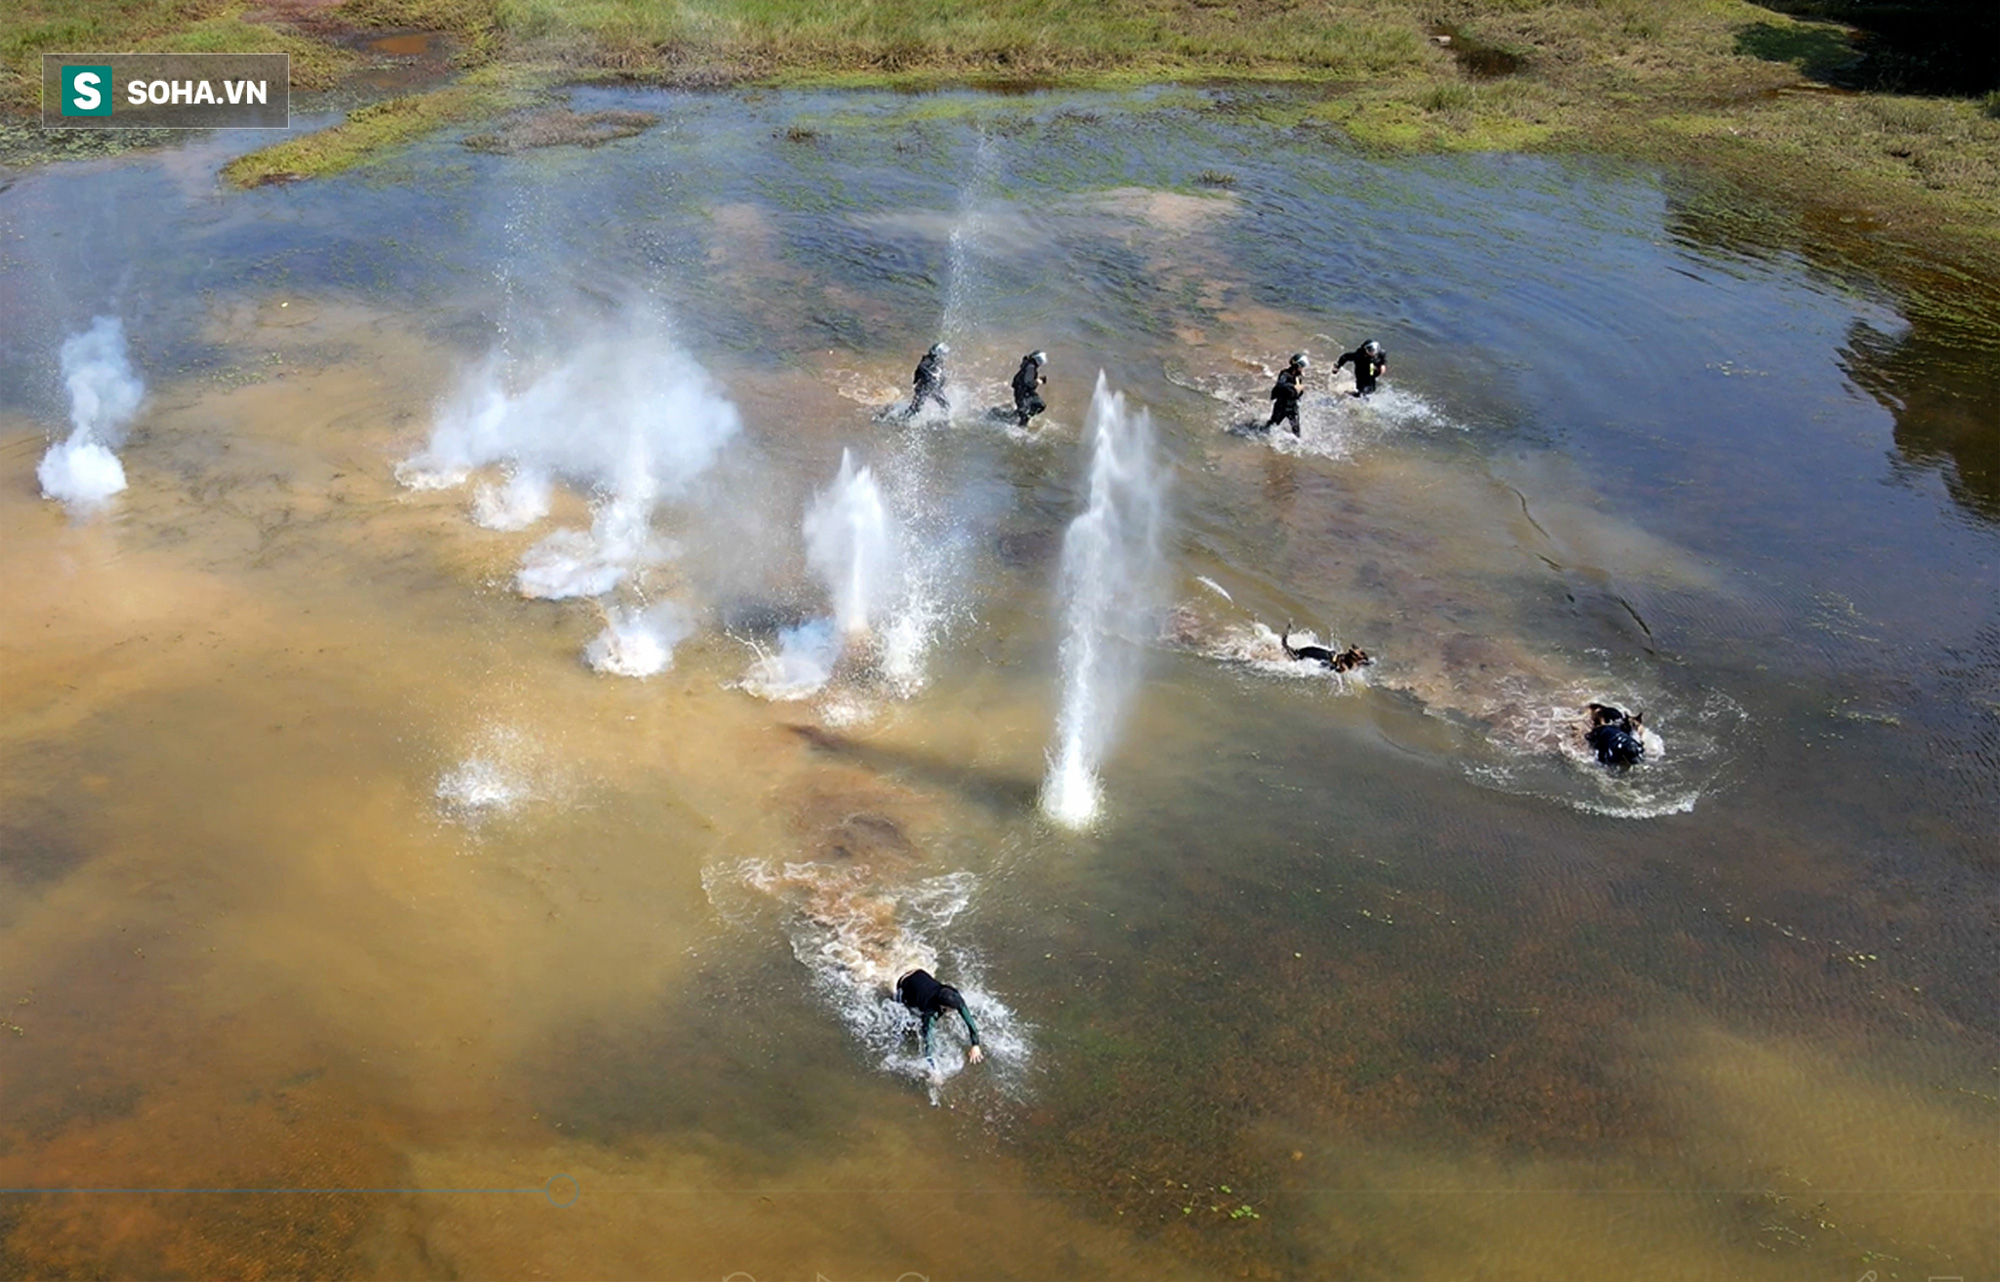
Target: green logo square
86,90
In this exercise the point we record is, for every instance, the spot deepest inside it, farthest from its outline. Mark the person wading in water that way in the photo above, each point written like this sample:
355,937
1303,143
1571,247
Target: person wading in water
1027,380
1370,363
1285,396
921,992
928,381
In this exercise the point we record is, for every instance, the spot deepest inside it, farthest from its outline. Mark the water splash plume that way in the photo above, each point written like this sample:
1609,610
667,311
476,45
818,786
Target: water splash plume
1110,587
852,547
638,642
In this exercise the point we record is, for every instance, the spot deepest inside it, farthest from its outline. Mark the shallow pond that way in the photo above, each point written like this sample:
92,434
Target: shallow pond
438,834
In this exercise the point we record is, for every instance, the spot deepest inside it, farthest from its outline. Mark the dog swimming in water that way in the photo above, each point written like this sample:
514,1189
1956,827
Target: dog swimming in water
1346,661
1615,736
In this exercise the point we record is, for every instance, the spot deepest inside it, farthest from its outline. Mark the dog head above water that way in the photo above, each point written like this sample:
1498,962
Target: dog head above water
1349,659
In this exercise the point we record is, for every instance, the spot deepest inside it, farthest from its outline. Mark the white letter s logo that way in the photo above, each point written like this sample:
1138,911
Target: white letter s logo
84,88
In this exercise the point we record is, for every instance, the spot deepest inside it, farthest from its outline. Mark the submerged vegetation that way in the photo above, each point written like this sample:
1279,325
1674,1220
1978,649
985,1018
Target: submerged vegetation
1791,101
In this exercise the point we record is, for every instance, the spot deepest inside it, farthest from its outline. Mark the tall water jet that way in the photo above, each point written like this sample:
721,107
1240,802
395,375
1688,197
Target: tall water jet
1111,584
856,549
104,394
960,282
850,545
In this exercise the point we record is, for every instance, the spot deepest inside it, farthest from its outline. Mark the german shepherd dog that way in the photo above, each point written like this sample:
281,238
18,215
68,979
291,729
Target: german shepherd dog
1614,736
1346,661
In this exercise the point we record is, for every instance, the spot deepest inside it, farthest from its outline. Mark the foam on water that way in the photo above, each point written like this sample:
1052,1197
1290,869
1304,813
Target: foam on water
857,934
82,471
1544,754
1332,422
503,771
638,642
480,785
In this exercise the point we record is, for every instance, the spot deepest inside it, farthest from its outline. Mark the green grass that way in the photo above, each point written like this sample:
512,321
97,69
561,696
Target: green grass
30,28
1721,86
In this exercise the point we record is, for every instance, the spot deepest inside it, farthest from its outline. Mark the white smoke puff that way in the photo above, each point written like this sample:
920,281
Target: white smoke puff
81,474
518,504
802,665
638,643
624,413
104,394
582,419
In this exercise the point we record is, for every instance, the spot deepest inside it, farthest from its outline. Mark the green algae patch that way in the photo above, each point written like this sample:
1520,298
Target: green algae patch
1445,116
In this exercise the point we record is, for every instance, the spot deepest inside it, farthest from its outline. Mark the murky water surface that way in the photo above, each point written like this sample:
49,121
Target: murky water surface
357,916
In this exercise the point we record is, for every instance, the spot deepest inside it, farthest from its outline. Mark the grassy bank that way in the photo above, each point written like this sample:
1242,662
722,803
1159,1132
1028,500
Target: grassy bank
1721,85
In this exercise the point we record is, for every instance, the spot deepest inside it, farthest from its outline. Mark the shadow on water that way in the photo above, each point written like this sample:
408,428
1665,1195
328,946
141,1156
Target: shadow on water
993,790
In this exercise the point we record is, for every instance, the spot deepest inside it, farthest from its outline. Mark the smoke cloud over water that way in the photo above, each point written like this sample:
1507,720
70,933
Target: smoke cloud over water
638,643
104,393
1111,586
625,414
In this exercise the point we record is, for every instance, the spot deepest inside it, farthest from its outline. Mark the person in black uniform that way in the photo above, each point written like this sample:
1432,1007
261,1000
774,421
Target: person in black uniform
1616,736
921,992
1285,396
1027,381
1369,362
928,382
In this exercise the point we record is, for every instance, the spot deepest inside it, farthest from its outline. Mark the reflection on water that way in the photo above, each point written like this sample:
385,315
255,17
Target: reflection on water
1946,403
333,858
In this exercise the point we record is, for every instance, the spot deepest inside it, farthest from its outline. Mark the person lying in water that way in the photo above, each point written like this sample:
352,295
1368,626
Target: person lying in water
921,992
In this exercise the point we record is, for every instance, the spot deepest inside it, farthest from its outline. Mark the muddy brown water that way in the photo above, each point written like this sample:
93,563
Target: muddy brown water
1364,979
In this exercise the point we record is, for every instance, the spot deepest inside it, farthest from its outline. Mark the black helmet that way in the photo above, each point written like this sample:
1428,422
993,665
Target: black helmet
940,349
1372,347
1039,358
1299,360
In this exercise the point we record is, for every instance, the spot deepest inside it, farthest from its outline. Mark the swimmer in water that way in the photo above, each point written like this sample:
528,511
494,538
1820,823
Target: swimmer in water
928,381
921,992
1370,363
1285,396
1616,736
